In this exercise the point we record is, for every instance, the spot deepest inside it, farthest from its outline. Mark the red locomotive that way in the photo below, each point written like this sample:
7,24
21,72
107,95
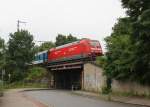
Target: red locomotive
83,49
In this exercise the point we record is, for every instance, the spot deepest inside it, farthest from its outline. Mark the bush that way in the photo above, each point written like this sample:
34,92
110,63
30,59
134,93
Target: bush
106,90
1,89
101,61
36,73
22,84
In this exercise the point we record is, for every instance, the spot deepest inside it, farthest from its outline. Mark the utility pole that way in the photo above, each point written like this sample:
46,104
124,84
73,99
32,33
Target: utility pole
18,24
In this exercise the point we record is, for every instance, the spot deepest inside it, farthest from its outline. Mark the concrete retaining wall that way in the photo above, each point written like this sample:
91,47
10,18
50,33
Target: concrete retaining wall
93,78
130,87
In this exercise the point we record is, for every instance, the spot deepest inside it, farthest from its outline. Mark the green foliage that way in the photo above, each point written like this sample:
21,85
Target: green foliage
36,73
20,47
135,7
118,60
36,49
0,84
1,43
19,53
1,89
71,38
44,46
2,53
106,90
22,84
62,39
101,61
139,14
128,56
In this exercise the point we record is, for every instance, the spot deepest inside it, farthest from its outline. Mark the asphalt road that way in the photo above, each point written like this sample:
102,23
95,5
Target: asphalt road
57,98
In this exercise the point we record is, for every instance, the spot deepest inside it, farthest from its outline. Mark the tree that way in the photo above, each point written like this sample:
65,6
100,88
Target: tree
20,53
139,14
2,52
71,38
118,60
36,73
62,39
128,56
1,43
46,46
119,57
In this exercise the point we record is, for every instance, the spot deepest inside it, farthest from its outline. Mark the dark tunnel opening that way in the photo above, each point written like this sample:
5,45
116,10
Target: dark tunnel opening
68,79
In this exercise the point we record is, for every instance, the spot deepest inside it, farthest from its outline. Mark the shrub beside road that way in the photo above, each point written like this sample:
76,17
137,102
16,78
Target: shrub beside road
1,89
20,85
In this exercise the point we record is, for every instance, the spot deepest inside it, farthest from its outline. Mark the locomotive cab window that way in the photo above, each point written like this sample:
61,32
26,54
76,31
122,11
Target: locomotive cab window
94,43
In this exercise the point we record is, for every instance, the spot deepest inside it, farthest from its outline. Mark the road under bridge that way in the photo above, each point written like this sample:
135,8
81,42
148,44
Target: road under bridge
58,98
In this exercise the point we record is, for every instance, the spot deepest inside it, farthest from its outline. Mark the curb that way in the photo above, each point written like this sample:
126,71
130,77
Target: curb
38,89
90,96
130,103
106,98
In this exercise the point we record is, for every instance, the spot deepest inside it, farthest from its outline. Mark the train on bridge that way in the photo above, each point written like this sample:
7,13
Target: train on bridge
66,62
84,49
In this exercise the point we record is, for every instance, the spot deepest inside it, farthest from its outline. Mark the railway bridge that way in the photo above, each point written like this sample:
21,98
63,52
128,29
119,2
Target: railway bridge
68,64
77,75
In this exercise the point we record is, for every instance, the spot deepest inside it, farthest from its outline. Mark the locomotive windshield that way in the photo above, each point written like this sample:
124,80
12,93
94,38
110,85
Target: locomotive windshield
94,43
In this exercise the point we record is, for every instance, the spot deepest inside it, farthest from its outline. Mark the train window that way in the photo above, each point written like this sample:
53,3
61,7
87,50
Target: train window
39,57
36,58
44,56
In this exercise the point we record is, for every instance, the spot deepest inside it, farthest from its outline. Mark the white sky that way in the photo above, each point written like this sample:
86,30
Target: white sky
46,18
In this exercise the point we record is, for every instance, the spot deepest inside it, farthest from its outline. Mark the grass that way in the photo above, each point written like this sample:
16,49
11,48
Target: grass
16,85
130,94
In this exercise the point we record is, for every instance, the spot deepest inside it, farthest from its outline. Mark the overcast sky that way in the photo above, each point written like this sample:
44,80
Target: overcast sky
46,18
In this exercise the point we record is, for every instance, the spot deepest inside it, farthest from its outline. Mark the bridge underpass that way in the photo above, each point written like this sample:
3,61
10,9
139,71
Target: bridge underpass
67,76
68,79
